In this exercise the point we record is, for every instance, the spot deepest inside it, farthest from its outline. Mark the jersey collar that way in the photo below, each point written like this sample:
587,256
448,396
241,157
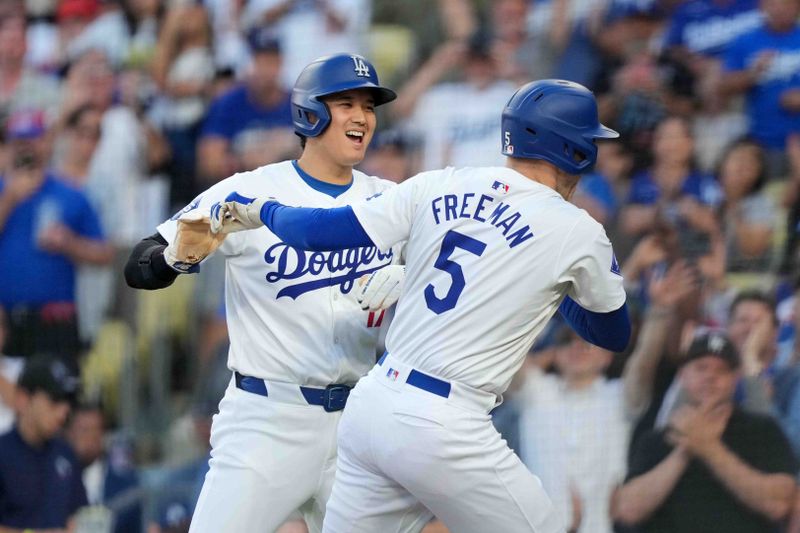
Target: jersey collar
331,189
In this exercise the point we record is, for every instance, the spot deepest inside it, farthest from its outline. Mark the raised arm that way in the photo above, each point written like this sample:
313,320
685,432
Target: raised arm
665,293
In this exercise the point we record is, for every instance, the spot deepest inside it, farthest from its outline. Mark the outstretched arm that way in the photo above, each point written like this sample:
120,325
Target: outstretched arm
306,228
315,228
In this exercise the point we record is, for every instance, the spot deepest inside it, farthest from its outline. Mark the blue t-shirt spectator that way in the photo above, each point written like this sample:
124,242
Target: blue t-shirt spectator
644,189
708,27
770,123
39,488
39,276
597,187
234,113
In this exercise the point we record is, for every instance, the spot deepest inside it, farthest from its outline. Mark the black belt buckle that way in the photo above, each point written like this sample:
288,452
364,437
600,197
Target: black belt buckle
334,397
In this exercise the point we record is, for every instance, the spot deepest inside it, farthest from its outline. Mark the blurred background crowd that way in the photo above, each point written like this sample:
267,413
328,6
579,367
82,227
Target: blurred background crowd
114,114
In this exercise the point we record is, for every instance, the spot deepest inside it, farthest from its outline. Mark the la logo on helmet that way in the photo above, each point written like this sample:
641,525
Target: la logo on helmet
360,67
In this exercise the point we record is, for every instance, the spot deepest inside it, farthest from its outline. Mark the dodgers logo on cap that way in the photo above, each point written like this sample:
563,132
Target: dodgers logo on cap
360,67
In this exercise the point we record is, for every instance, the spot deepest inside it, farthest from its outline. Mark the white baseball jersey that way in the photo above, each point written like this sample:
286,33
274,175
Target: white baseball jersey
489,258
290,316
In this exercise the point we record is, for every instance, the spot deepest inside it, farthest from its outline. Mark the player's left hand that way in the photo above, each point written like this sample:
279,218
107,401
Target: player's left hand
237,213
381,289
193,241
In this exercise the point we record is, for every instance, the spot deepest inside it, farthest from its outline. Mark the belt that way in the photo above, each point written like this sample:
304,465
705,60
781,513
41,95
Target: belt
331,398
423,381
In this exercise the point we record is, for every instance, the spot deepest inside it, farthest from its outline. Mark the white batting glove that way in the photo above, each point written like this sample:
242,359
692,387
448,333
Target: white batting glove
237,213
381,289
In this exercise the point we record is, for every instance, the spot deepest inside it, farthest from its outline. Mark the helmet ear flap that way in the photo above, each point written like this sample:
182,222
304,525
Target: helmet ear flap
312,119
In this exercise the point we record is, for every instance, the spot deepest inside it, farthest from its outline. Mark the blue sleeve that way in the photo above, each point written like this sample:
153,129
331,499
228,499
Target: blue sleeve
315,229
611,331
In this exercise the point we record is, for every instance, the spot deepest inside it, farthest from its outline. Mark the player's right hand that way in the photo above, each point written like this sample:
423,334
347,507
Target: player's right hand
381,289
237,213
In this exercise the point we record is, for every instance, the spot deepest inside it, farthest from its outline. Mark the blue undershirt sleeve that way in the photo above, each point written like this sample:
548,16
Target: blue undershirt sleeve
611,331
315,229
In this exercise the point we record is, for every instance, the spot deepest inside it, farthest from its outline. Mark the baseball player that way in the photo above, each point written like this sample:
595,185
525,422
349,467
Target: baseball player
492,253
299,340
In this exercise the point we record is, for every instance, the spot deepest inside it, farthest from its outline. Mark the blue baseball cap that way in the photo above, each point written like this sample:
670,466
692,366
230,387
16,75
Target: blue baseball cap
26,124
51,375
263,39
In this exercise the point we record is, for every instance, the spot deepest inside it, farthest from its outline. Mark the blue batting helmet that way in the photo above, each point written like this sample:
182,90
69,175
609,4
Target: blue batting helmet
326,76
554,120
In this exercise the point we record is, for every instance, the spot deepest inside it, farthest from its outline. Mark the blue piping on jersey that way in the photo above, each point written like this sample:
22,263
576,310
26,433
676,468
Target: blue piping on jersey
331,189
611,331
316,229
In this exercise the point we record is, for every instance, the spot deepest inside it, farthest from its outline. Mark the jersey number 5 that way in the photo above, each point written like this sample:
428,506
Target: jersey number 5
451,241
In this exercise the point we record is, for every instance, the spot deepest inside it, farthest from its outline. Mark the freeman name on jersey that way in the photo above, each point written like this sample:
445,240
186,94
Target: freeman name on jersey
452,206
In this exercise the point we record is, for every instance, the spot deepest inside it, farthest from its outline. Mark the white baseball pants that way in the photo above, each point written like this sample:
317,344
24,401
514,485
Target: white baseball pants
268,459
405,454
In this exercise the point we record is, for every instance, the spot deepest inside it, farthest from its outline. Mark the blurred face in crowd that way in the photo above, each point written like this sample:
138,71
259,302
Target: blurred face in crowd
389,162
12,41
94,77
480,70
673,142
781,15
41,415
353,122
28,154
707,380
613,161
85,435
745,316
264,72
84,134
580,360
740,170
510,18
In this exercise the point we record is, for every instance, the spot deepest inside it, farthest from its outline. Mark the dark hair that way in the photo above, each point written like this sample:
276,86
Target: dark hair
303,140
754,295
763,174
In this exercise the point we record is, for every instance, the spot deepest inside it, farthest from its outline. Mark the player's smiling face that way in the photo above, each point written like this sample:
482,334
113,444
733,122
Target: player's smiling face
352,125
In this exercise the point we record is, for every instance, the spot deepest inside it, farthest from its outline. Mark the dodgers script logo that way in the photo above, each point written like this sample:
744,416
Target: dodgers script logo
360,67
291,263
192,206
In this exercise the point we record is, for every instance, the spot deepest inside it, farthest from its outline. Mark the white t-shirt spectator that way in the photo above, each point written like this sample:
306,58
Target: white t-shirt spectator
575,440
305,33
458,125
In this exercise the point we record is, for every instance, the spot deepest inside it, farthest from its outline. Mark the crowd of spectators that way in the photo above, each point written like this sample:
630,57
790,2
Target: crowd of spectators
116,113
